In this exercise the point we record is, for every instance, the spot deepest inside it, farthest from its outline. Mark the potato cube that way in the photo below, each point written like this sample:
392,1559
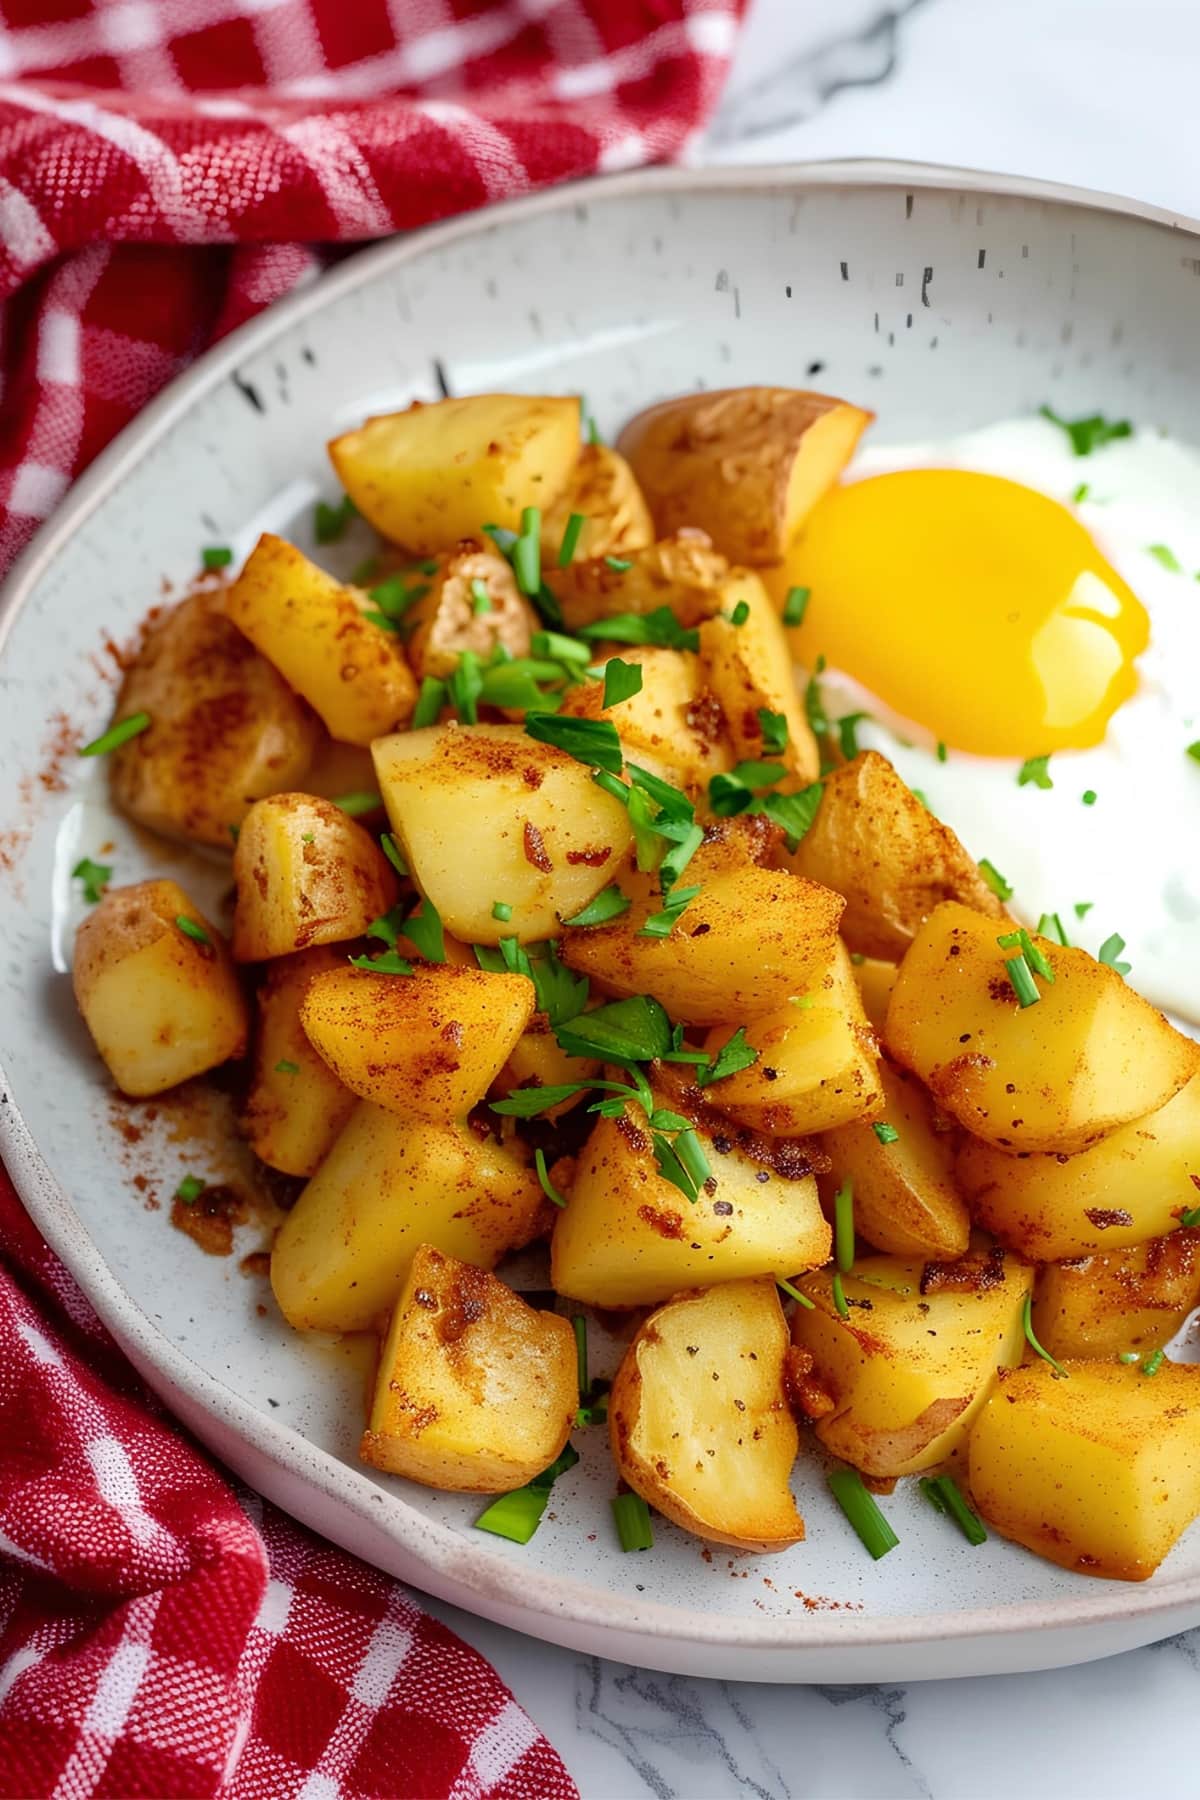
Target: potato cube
536,1060
1088,1056
156,988
616,519
351,671
875,983
296,1105
476,1391
749,669
1099,1472
673,723
1118,1300
306,874
472,604
684,574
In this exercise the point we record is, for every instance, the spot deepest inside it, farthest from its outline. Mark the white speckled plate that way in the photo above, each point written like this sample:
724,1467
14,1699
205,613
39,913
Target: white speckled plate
942,299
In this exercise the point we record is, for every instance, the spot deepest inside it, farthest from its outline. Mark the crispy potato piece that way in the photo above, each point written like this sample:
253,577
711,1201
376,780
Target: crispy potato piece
875,983
911,1367
674,721
749,668
749,939
448,619
1126,1189
351,672
748,464
490,814
306,874
161,1003
627,1237
817,1060
388,1185
1118,1300
875,843
616,519
433,474
699,1422
476,1391
683,573
1099,1473
224,730
906,1200
296,1105
1057,1075
426,1045
339,769
536,1060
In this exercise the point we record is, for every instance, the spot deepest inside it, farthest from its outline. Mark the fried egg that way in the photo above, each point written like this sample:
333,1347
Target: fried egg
1019,627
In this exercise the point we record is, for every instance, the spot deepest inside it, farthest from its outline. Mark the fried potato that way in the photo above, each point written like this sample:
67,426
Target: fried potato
875,983
749,670
1100,1472
389,1185
1058,1075
912,1365
699,1422
628,1237
476,1391
433,474
875,843
296,1105
491,815
156,988
683,573
906,1198
747,464
224,730
306,874
1118,1300
536,1060
339,769
1125,1190
426,1045
674,722
351,672
452,616
602,489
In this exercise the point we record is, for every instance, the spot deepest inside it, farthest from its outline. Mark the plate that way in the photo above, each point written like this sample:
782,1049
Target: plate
943,299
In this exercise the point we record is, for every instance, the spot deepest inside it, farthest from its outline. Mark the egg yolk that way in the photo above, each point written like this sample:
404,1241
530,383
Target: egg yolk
978,608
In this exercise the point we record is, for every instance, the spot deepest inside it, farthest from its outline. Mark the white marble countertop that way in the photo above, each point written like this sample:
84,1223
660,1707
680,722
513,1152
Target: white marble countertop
1101,93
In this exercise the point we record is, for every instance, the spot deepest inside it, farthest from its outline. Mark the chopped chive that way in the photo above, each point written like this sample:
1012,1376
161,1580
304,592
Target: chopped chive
609,904
1154,1363
661,924
795,1294
1189,1218
922,796
355,805
1021,940
380,619
235,832
622,681
1035,771
308,837
465,686
1083,908
363,573
1051,926
527,551
843,1226
570,539
579,1327
593,432
430,702
1090,433
388,845
618,564
1163,554
548,1187
1021,977
216,556
795,605
678,857
481,600
190,1189
1081,493
390,963
286,1067
501,911
774,729
840,1305
1130,1356
659,627
1110,951
942,752
94,877
1031,1339
330,522
515,1516
1193,750
846,1486
848,734
887,1134
1089,797
631,1516
116,735
740,613
587,740
814,706
942,1493
394,596
190,929
795,812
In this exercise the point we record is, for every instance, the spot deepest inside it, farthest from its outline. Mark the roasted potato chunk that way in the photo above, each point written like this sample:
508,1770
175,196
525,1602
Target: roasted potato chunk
751,938
894,861
340,769
673,722
601,487
1058,1075
433,474
627,1237
749,670
306,874
1128,1188
906,1199
536,1060
1099,1472
490,814
296,1105
156,988
748,464
224,730
875,983
315,631
426,1045
472,604
388,1185
916,1359
684,574
699,1422
1118,1300
476,1391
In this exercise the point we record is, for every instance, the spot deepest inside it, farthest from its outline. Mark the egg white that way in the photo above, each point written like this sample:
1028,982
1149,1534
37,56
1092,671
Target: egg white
1134,854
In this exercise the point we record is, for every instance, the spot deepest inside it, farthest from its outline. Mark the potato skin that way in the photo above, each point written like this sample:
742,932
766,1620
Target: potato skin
894,861
1118,1300
746,464
162,1006
476,1391
293,1113
225,728
306,874
699,1422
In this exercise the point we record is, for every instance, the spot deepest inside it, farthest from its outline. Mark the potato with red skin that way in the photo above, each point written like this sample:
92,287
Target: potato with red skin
306,874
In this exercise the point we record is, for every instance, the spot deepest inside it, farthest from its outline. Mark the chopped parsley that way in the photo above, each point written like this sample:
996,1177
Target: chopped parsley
1035,771
592,741
734,1055
285,1067
1110,951
622,681
661,924
94,877
390,963
190,1189
216,556
887,1134
609,904
658,627
330,522
1089,433
774,729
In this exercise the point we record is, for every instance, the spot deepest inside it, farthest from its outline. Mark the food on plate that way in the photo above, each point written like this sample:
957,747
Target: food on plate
699,1421
576,919
476,1391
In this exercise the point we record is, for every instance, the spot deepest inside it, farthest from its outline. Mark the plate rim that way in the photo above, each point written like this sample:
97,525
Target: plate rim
499,1587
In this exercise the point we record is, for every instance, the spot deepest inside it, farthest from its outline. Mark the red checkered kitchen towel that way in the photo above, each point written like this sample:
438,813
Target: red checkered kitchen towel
167,169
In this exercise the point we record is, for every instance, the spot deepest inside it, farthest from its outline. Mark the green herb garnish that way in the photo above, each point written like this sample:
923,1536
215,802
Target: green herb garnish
1021,940
1110,951
774,729
942,1493
390,963
465,686
481,600
1090,433
740,613
848,734
355,805
190,1189
609,904
517,1515
814,706
631,1516
843,1226
330,522
1081,493
635,1030
1031,1339
430,702
285,1067
527,551
995,880
618,564
94,877
191,930
592,741
1051,926
887,1134
388,845
501,911
622,681
548,1188
1154,1363
734,1055
659,627
1089,797
795,1294
116,735
216,556
1163,554
838,1292
1035,770
1023,985
846,1486
1083,908
795,605
570,539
